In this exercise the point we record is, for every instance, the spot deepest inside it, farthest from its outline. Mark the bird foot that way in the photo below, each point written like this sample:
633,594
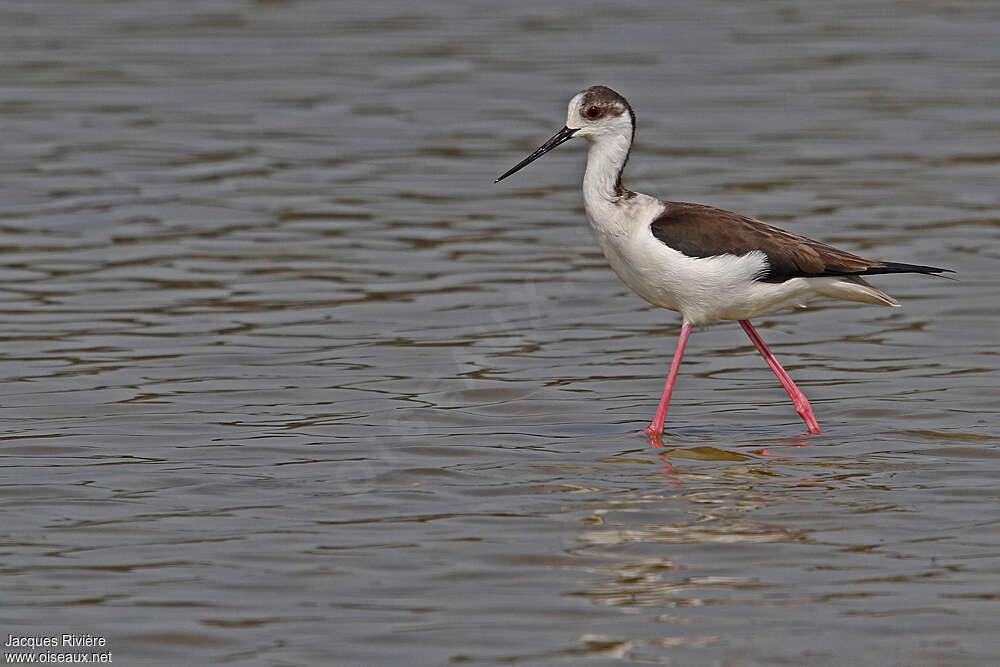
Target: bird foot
655,437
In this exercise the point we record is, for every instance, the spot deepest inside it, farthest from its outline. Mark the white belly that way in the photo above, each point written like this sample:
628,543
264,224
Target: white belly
704,290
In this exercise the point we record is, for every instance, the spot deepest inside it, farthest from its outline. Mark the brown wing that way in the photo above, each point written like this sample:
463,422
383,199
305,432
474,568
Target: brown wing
704,231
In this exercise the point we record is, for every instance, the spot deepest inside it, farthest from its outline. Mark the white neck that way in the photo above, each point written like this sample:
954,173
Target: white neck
605,162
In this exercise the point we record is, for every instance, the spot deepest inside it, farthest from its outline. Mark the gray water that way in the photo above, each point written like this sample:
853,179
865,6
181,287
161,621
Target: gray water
287,380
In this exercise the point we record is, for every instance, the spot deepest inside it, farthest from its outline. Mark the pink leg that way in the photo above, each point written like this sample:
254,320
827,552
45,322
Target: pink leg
656,427
798,398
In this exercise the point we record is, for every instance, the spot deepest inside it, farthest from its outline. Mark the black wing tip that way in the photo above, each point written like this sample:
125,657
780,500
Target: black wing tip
899,267
883,268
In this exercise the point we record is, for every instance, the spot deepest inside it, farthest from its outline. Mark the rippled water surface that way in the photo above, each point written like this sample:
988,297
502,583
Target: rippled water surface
287,380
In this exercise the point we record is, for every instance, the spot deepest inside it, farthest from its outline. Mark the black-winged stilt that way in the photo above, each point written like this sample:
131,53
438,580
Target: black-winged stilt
708,264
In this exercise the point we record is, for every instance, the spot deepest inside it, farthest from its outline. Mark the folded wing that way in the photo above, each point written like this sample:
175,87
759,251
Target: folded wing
703,231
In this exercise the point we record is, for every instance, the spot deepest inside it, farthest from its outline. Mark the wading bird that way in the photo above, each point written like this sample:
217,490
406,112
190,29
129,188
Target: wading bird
706,263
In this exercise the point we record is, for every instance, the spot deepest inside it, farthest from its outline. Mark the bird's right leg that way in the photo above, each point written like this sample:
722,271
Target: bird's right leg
798,398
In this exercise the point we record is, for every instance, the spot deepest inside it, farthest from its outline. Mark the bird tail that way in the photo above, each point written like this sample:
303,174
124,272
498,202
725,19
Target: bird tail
853,288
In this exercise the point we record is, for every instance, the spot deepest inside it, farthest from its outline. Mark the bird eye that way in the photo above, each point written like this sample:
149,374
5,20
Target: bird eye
593,112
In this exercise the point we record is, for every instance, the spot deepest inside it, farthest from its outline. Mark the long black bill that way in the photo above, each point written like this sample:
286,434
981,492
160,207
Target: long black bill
561,136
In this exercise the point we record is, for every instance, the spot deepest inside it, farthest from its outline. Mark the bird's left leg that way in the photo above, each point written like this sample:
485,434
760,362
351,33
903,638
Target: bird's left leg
655,429
798,398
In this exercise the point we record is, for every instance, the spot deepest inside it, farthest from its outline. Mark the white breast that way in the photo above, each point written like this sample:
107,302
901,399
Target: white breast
704,290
